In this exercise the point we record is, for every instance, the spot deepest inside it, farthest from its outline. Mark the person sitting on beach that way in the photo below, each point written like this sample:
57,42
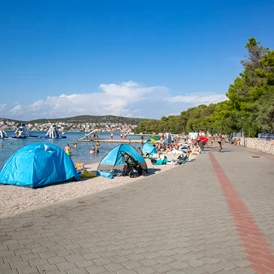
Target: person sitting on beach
197,149
188,151
79,166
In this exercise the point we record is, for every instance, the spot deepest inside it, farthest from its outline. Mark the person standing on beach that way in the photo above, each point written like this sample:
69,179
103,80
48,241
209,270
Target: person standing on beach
111,136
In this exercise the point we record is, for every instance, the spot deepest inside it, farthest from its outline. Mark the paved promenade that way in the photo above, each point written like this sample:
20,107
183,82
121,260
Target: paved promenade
212,215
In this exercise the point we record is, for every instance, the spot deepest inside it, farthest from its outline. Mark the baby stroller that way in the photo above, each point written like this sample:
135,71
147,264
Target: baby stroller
182,159
132,167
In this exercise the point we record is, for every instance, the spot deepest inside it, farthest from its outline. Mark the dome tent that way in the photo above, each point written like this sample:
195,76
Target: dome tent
114,162
149,149
38,165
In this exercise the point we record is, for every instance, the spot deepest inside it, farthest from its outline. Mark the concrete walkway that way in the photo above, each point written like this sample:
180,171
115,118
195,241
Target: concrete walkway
212,215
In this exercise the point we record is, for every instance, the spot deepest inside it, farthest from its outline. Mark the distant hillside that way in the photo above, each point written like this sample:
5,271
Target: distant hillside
85,119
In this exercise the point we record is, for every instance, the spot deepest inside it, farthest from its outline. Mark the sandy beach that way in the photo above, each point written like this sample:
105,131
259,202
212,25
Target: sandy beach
14,199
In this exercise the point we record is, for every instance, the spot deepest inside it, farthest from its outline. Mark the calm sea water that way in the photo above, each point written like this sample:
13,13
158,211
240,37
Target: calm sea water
81,153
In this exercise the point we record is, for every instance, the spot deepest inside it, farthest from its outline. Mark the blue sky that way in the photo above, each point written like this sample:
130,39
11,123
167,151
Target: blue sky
130,58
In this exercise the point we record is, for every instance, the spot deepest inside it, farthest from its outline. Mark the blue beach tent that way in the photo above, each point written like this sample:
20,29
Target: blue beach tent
149,149
113,162
38,165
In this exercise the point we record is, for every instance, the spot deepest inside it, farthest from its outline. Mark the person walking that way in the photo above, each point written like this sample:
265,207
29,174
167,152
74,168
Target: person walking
220,139
212,140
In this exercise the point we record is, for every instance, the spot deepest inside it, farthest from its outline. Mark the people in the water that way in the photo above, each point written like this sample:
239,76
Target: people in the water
93,150
67,150
97,146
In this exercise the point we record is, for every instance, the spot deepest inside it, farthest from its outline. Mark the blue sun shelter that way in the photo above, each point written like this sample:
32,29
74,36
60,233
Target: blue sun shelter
148,150
38,165
113,162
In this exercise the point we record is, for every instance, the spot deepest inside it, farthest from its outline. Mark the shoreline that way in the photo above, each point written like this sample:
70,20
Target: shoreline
15,199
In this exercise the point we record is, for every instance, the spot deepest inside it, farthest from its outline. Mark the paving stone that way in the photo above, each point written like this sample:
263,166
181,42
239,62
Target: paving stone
118,259
195,270
144,270
179,265
212,268
95,269
27,270
131,265
162,268
45,268
126,271
65,265
76,271
84,263
5,268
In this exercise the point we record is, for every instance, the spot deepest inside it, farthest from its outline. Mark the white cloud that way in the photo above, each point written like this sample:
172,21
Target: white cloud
197,99
128,99
111,99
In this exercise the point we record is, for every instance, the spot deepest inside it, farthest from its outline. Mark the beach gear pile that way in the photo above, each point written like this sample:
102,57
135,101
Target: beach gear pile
123,160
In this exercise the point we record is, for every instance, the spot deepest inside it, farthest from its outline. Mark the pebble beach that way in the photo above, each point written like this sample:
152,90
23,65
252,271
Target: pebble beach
14,199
